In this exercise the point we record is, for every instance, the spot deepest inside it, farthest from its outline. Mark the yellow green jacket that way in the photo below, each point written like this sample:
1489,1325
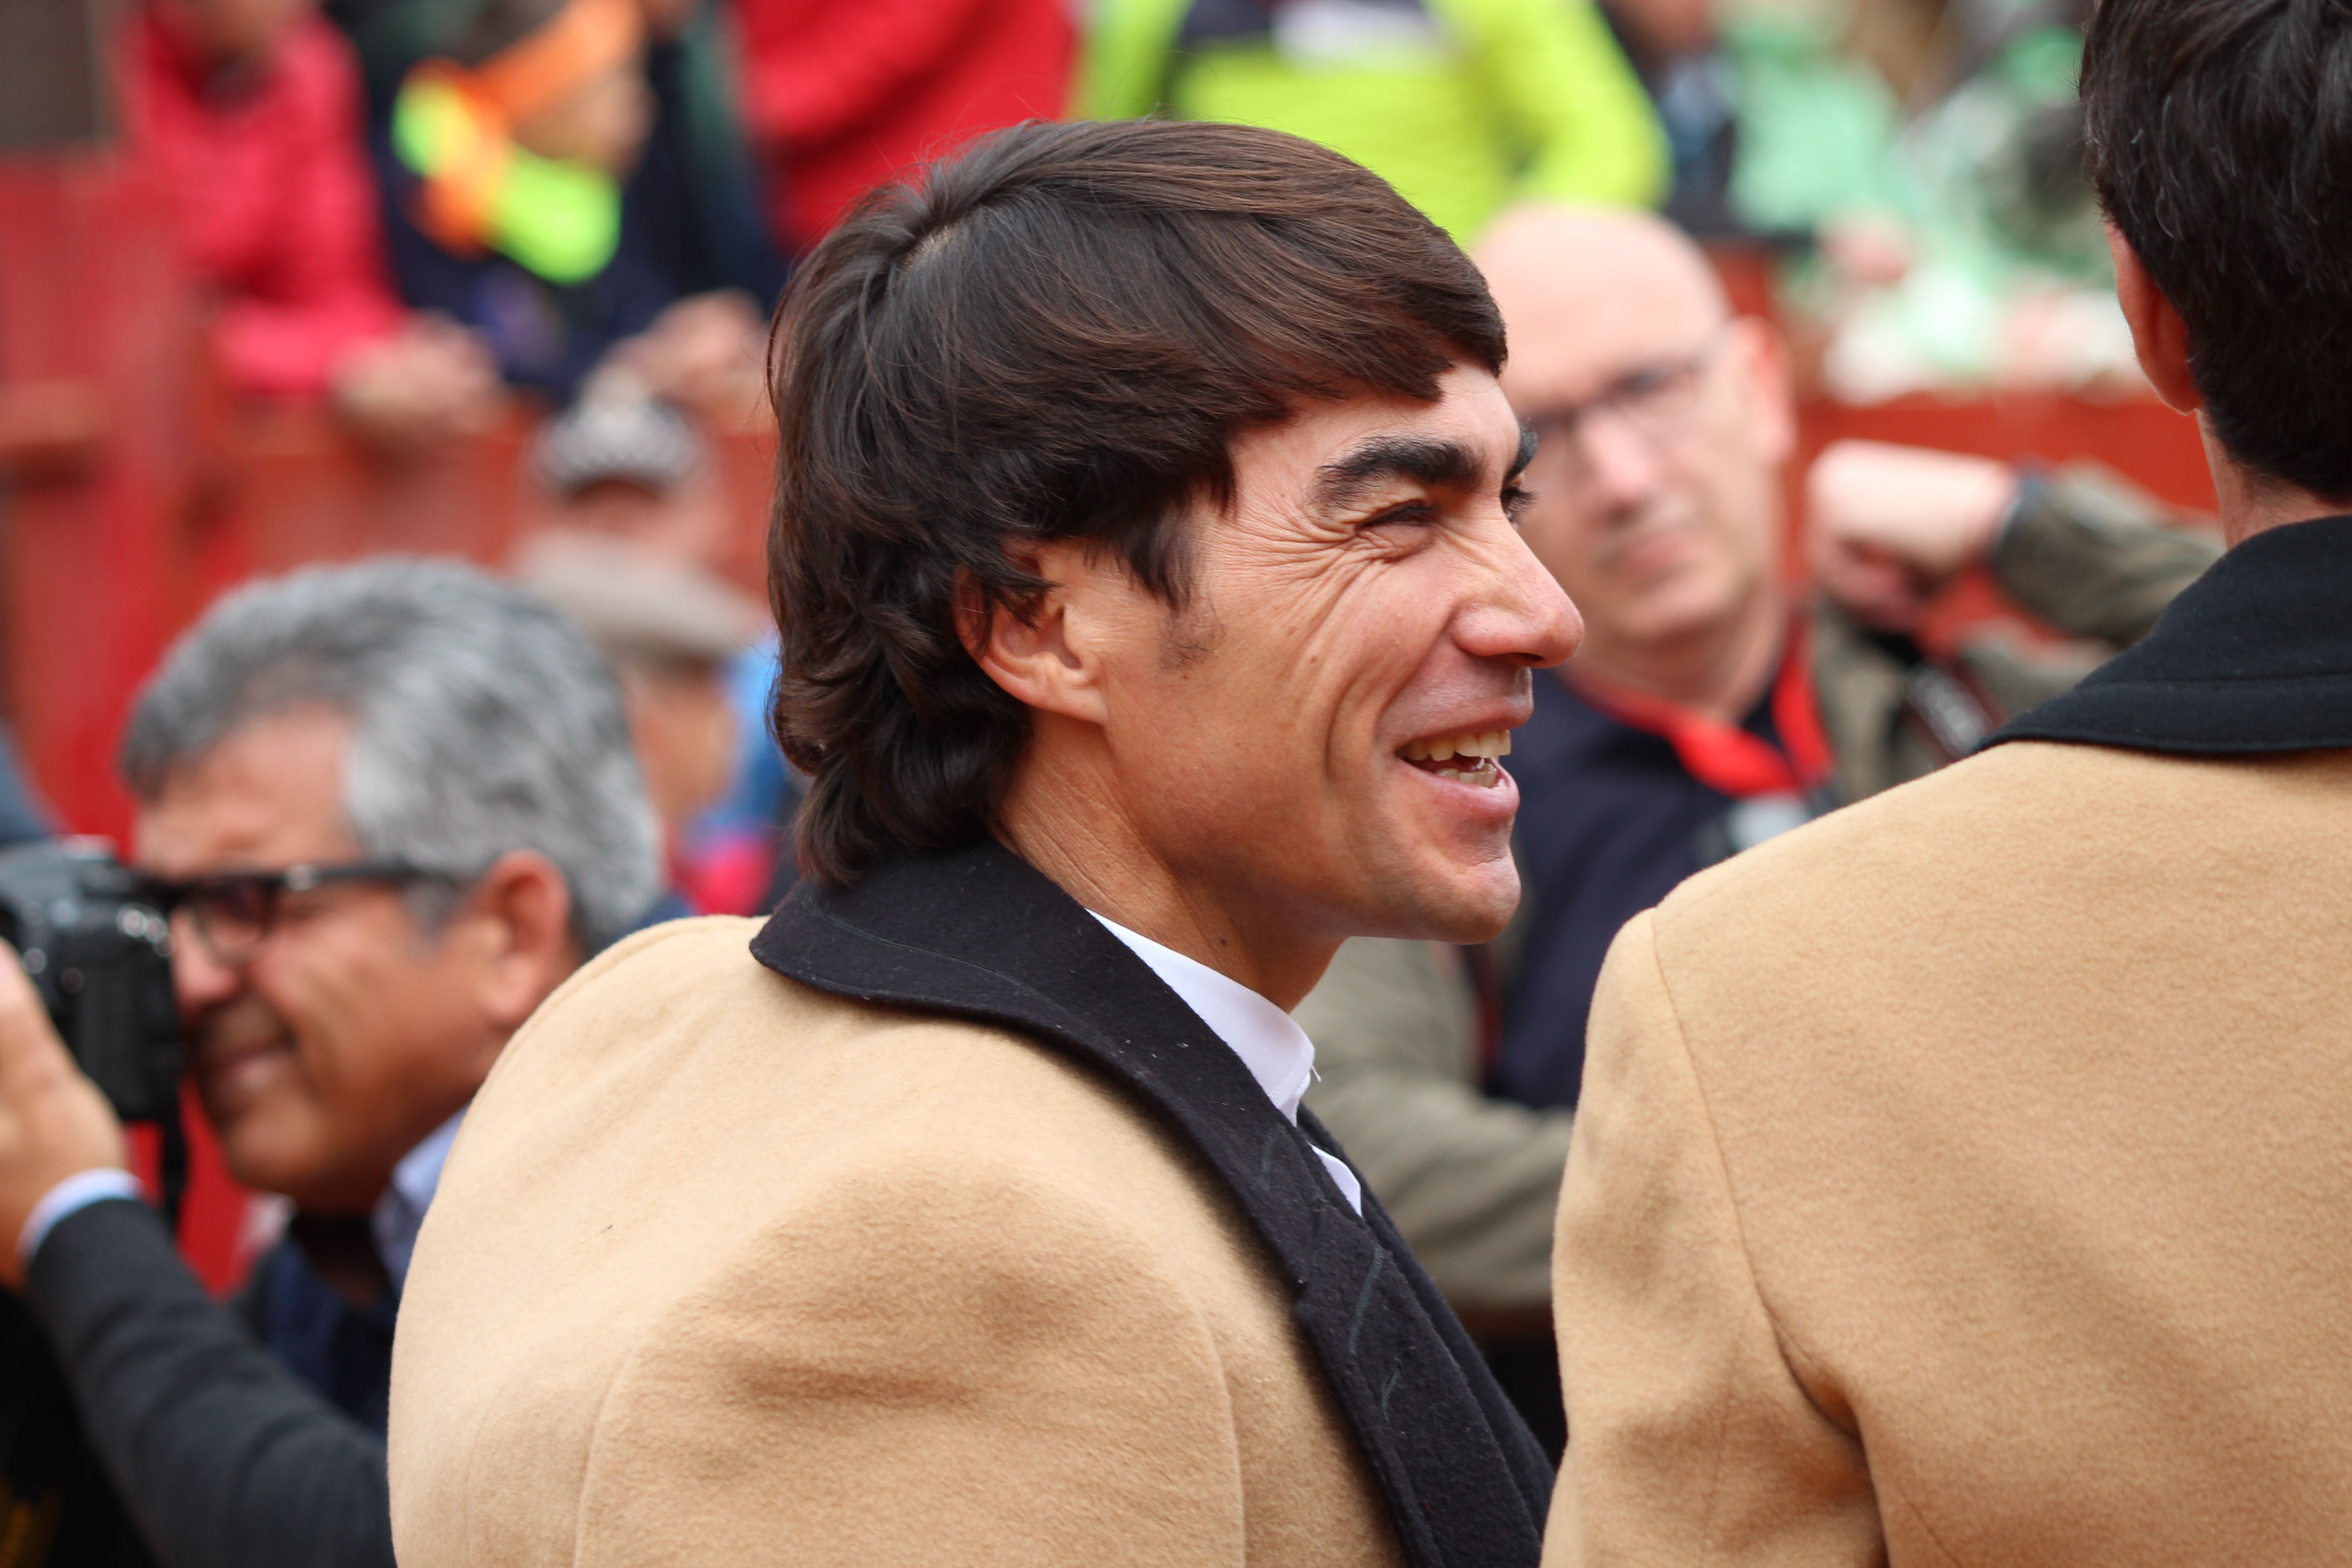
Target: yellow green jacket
1509,99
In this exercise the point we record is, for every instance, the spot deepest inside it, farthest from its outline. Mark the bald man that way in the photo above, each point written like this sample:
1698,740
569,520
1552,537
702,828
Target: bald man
1711,707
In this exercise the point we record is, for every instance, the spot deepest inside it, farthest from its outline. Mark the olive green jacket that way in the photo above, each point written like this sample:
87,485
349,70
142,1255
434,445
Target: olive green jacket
1473,1180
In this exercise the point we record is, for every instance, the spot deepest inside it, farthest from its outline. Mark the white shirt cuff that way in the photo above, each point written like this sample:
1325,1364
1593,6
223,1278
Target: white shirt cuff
73,1195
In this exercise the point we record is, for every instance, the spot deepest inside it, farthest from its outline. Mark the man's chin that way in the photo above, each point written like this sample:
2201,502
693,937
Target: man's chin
1472,921
262,1153
259,1170
1464,903
1686,604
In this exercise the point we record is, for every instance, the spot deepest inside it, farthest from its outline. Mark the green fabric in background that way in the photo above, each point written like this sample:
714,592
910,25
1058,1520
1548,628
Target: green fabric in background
560,219
1817,127
1506,99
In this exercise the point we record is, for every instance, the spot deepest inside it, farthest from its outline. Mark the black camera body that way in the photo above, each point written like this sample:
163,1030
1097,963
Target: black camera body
102,960
101,956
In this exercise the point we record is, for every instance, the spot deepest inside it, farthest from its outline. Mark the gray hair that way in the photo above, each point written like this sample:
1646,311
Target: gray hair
483,721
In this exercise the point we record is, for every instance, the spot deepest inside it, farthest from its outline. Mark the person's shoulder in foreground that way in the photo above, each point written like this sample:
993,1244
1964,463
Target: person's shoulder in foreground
1951,1178
779,1271
1956,1178
970,1213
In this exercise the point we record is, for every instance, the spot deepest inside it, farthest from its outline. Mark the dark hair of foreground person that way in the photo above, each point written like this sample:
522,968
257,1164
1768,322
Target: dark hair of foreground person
1056,339
2207,117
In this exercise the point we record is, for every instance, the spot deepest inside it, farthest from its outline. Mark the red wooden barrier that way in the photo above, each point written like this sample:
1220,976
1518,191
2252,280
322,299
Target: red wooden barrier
2139,437
104,461
106,472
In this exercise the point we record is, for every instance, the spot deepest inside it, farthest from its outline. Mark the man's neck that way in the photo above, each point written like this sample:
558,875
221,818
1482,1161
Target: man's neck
1721,670
1070,829
2251,503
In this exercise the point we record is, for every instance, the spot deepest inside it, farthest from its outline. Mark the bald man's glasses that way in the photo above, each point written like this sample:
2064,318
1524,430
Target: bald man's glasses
1656,402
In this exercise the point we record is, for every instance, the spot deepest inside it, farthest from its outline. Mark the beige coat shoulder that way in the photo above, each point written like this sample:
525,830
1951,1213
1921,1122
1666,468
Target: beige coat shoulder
1961,1179
725,1270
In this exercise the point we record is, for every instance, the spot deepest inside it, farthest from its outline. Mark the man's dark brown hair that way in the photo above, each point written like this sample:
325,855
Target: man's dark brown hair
1056,336
2219,134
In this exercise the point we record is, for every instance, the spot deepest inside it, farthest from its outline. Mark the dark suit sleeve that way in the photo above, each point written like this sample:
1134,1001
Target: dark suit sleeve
225,1459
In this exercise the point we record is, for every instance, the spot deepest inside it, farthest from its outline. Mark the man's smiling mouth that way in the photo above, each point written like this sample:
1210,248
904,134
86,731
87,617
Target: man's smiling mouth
1468,759
237,1048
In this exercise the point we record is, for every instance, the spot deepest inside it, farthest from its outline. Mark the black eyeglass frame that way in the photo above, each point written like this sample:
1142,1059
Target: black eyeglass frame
168,896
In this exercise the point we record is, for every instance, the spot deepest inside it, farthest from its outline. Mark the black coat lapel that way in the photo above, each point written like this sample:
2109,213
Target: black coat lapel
2255,656
980,934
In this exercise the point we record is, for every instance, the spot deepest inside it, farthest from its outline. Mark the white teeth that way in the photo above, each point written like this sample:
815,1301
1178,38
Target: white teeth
1492,743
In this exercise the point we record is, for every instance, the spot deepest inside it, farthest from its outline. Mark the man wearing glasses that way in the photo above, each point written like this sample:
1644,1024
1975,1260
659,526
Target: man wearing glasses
390,807
1711,707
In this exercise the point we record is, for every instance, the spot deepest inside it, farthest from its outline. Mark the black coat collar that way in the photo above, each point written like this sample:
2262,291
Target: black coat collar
980,934
2254,656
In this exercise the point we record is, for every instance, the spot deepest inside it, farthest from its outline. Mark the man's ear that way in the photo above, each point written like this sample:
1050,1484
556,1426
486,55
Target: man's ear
2160,336
1052,659
1763,357
520,919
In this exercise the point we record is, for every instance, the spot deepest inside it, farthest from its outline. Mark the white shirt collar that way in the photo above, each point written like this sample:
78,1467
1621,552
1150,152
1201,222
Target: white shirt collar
400,1213
1268,1040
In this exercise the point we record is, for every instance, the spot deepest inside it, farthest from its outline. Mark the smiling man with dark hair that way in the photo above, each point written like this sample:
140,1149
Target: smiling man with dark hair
1152,618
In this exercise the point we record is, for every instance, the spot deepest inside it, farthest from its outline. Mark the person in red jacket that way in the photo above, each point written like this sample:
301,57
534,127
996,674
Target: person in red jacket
839,98
248,111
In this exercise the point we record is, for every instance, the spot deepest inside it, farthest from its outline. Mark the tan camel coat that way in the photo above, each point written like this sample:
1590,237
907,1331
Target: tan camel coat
1967,1178
728,1270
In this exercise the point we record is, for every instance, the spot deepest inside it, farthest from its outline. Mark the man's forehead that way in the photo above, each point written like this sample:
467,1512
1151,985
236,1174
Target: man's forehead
1468,433
266,794
1578,351
1586,303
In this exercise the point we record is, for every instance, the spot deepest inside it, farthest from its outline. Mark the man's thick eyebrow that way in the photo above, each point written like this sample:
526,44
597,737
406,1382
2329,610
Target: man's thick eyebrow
1526,452
1443,464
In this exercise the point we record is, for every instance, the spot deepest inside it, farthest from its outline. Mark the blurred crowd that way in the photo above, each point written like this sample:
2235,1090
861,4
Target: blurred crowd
422,208
437,217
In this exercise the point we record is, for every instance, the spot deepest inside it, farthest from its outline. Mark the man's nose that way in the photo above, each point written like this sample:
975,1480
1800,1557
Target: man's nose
1621,463
1528,618
200,981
